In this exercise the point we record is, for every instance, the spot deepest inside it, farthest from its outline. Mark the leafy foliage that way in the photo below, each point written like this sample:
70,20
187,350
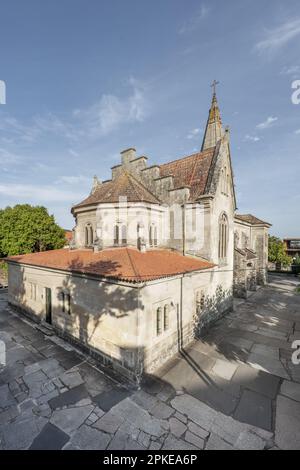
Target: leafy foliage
277,252
27,229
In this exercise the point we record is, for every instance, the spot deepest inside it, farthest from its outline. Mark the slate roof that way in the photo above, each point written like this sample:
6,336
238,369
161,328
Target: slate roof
124,264
124,185
251,219
192,171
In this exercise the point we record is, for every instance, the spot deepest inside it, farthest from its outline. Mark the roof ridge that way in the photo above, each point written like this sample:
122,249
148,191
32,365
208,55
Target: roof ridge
187,156
143,186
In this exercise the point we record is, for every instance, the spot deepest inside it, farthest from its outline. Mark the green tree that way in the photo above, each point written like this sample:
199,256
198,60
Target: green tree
27,229
277,252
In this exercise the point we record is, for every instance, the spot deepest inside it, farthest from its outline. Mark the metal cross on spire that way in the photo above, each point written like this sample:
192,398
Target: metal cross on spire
214,85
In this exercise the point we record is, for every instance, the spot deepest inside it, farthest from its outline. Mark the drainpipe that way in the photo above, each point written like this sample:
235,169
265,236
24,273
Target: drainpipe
183,229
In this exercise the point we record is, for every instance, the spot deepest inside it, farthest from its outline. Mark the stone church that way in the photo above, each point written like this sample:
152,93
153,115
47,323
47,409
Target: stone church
157,254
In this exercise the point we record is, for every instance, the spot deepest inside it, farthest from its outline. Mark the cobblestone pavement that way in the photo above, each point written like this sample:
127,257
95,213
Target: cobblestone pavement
235,389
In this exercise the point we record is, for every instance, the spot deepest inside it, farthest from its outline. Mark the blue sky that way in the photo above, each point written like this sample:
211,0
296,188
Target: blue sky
87,79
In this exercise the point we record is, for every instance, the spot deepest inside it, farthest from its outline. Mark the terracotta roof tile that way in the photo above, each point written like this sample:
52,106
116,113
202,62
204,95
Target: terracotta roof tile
127,264
190,171
125,185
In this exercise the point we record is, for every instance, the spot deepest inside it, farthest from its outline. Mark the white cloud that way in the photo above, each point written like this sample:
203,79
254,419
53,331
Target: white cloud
277,37
267,123
252,138
297,132
111,111
103,117
39,193
193,23
9,158
193,133
290,70
73,153
73,180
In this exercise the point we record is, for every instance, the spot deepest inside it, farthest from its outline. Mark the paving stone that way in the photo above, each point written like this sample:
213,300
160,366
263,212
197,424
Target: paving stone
19,435
291,390
144,439
122,441
249,441
266,364
255,409
172,443
71,418
69,398
140,418
287,430
267,351
9,414
155,445
197,411
107,400
195,440
36,382
162,411
71,379
257,381
213,421
6,397
109,423
144,399
197,430
47,397
177,427
181,417
216,443
239,342
87,438
224,369
32,368
50,438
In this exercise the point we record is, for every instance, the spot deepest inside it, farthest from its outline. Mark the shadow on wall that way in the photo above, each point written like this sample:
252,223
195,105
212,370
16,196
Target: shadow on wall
91,302
210,308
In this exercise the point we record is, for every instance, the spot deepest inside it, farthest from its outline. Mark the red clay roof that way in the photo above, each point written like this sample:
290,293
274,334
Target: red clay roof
190,171
125,185
68,235
127,264
250,219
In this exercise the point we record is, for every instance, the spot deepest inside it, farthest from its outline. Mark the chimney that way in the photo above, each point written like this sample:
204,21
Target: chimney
127,156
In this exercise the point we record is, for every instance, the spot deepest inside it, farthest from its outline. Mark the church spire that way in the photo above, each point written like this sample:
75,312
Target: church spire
214,130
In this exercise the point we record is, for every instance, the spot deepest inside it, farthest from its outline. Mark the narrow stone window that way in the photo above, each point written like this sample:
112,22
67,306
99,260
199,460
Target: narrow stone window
124,234
63,302
68,304
158,321
223,237
166,317
91,238
116,235
153,235
89,235
32,291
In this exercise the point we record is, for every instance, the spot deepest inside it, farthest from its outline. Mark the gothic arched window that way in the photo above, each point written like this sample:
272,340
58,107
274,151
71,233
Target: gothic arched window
89,235
223,237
